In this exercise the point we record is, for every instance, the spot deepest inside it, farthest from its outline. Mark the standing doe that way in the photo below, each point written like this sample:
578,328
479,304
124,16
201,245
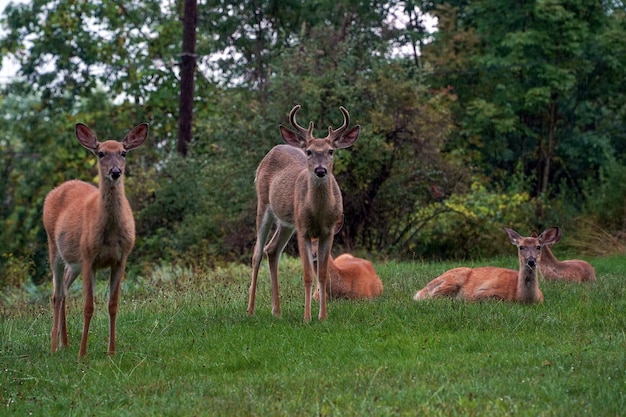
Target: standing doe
296,190
91,228
475,284
574,270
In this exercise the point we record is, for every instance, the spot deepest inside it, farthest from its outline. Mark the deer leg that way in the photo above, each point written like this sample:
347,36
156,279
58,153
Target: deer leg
262,231
70,276
273,250
88,306
58,303
323,254
450,284
115,283
305,249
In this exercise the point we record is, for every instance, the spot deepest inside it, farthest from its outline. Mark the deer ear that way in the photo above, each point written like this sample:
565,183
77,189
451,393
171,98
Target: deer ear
86,137
292,138
136,137
550,236
514,237
347,139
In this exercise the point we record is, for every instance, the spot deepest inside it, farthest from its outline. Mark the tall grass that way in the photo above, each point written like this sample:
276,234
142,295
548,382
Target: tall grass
186,347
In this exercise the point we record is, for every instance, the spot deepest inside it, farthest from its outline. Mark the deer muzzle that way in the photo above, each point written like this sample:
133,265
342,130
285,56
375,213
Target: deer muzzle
115,172
320,171
531,263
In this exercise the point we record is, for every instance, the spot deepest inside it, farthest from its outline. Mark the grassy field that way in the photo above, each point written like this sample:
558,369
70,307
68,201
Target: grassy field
186,347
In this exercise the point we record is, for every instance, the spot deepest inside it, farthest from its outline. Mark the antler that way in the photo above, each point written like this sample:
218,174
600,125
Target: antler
302,131
346,121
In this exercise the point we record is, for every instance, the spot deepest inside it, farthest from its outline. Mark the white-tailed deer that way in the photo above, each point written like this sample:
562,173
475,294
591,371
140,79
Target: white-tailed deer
475,284
91,228
574,270
352,278
296,190
348,276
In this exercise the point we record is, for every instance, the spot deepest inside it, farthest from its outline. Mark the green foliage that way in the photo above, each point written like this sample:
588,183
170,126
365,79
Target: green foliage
606,199
532,73
16,271
187,347
197,213
469,226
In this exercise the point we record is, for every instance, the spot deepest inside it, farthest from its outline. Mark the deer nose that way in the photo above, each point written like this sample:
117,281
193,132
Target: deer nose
321,172
115,172
532,263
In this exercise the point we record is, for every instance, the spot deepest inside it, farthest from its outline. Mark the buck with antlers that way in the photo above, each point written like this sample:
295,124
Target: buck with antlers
574,270
91,228
475,284
297,191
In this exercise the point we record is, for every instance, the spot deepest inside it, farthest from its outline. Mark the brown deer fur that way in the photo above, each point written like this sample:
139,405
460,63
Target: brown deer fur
475,284
91,228
297,191
352,278
574,270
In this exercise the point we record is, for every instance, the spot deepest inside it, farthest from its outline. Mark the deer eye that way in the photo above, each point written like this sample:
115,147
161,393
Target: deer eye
539,248
100,154
123,154
331,152
522,247
309,152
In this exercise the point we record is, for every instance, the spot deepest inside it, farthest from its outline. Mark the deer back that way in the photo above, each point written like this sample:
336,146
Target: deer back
351,278
472,284
574,270
276,180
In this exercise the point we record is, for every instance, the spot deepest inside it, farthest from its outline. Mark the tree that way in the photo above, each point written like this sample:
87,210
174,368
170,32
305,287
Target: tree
187,73
525,101
68,51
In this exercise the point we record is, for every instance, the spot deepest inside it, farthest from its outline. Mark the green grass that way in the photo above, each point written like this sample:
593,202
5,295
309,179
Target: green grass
186,347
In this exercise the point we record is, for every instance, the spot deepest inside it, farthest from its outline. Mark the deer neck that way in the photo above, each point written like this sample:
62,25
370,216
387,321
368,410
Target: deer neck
322,192
114,205
527,284
548,258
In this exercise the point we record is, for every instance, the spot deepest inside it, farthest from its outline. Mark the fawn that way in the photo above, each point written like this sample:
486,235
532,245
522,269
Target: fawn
91,228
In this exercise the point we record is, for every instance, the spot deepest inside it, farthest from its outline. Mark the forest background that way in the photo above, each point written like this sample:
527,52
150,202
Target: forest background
506,114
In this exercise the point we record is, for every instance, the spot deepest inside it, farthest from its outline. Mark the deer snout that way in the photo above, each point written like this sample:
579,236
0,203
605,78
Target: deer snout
532,263
115,172
321,171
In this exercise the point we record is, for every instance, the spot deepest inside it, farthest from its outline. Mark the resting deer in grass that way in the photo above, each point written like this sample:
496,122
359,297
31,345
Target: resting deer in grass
352,278
349,277
475,284
574,270
91,228
297,191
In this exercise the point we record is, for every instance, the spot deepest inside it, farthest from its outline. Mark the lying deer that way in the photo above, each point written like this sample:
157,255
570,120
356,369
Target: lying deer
91,228
474,284
351,277
574,270
297,191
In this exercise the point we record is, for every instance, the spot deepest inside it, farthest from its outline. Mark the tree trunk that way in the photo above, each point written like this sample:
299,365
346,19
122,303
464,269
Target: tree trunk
187,73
